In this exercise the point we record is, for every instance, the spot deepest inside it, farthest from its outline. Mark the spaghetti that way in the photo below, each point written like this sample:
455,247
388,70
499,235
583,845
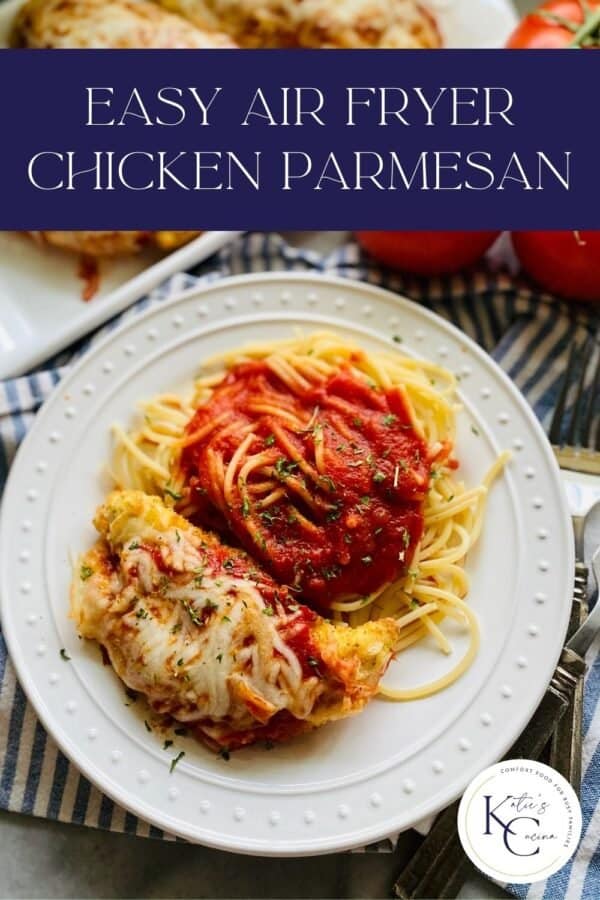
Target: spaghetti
334,468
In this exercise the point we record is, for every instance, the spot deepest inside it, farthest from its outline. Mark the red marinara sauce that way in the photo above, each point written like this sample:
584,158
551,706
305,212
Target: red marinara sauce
332,502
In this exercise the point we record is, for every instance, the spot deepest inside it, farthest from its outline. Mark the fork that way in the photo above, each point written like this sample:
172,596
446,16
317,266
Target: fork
585,634
575,435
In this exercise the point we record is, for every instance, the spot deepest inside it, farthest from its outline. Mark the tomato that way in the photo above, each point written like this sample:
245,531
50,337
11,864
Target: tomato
563,262
559,23
427,252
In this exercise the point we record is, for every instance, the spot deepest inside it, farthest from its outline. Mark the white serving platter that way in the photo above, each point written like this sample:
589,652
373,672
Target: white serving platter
41,310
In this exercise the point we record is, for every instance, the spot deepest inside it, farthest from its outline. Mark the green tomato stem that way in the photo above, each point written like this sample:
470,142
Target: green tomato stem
590,28
559,20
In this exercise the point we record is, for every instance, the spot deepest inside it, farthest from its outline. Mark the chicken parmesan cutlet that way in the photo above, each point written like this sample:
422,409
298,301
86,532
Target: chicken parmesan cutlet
349,24
210,638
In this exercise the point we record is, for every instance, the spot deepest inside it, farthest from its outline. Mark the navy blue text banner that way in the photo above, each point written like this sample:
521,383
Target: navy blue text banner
160,139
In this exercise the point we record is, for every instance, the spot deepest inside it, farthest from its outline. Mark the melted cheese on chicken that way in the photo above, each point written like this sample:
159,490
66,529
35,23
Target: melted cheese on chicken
108,24
360,24
209,638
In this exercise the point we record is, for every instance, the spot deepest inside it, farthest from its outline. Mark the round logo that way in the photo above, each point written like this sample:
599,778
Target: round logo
519,821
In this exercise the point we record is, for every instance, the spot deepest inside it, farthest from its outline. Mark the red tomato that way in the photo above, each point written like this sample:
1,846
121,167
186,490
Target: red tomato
559,23
427,252
563,262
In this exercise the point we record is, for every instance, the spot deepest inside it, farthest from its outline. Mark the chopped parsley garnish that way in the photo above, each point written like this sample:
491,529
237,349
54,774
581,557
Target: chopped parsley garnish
348,538
174,761
406,538
131,695
85,572
358,423
176,628
268,611
475,430
434,473
312,661
219,657
451,497
225,619
141,613
245,507
148,727
284,468
196,619
334,514
180,732
389,419
397,339
167,744
326,479
228,564
413,573
364,501
180,661
269,440
208,604
379,476
177,535
330,572
292,518
267,517
224,754
134,545
64,655
175,495
366,560
269,745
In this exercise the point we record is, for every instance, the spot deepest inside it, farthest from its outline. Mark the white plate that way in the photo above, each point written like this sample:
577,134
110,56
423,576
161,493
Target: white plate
471,24
357,780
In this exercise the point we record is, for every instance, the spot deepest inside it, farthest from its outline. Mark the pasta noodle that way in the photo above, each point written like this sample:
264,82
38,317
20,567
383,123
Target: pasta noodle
435,584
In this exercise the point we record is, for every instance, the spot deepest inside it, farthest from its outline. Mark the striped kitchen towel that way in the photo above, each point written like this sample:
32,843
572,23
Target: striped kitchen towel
527,334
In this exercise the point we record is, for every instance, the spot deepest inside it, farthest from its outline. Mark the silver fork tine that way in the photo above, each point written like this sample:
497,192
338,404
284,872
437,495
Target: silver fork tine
586,353
586,433
557,418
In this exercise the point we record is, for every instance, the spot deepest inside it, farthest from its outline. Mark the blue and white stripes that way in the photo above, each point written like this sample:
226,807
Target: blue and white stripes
528,335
